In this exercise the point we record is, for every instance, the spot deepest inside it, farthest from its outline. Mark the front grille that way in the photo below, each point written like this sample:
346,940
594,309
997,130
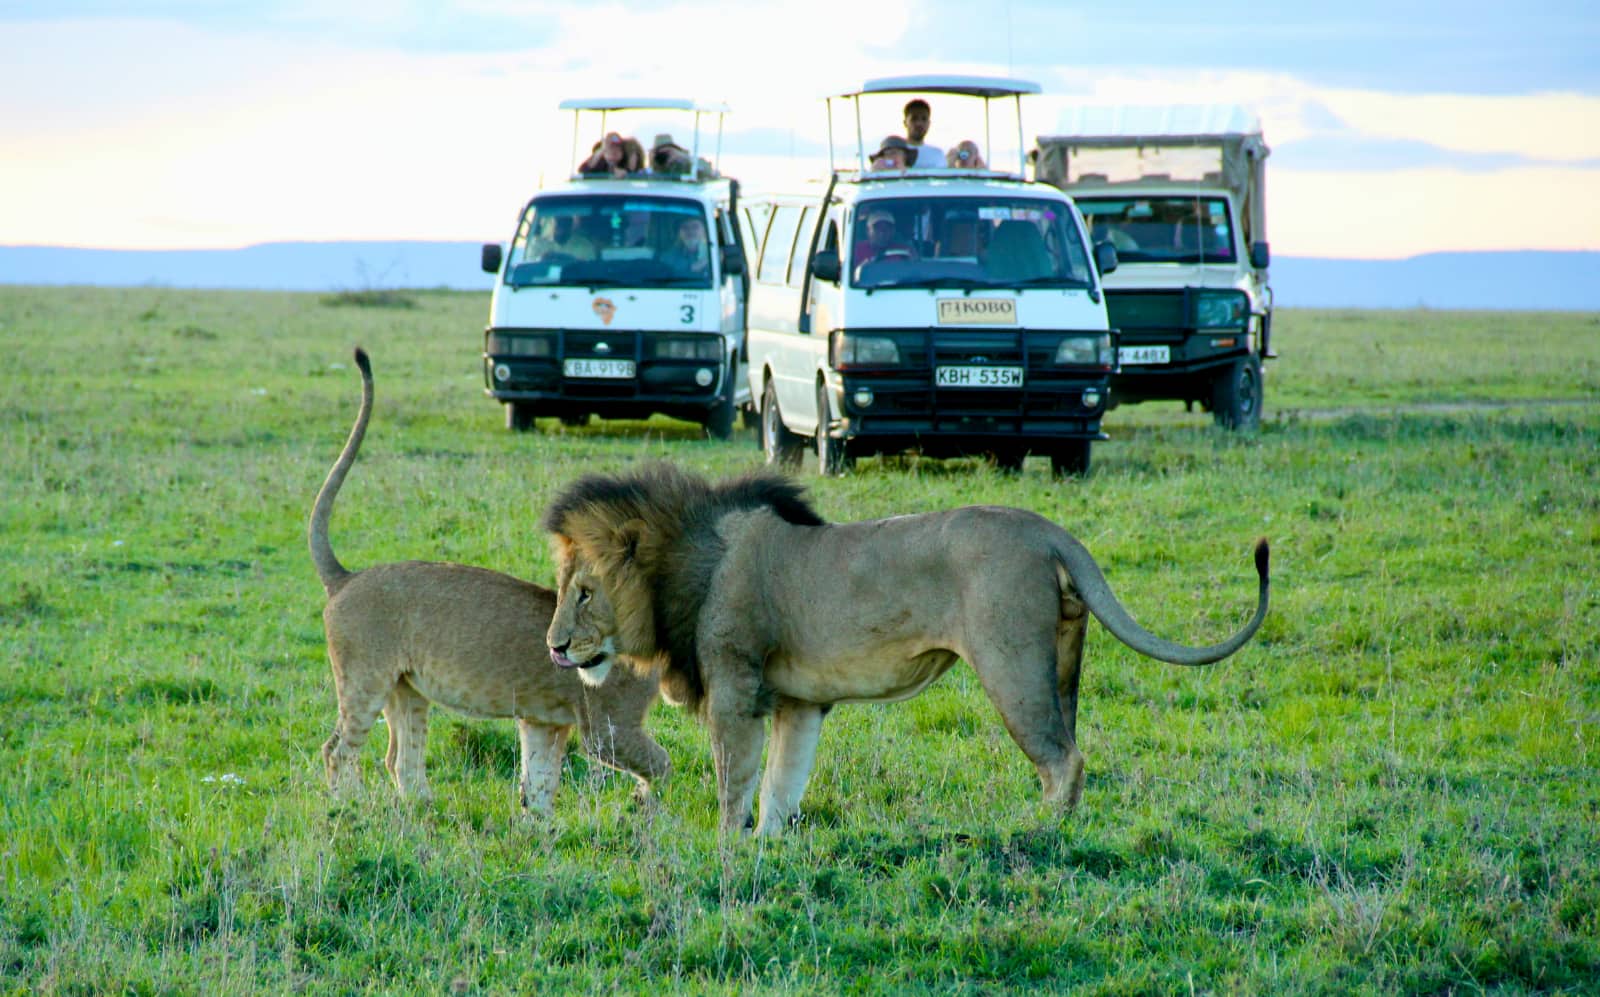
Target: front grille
1147,311
621,345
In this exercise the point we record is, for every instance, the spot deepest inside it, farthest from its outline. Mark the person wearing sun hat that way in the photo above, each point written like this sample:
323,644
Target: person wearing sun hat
894,153
669,158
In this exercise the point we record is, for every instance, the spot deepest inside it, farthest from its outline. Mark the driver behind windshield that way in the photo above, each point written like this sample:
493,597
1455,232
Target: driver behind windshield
690,253
560,238
881,242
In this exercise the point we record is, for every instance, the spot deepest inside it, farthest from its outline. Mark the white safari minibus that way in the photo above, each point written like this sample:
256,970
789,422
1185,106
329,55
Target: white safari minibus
944,308
622,292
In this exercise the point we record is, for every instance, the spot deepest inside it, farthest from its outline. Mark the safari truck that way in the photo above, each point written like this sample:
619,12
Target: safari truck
622,294
1180,193
947,310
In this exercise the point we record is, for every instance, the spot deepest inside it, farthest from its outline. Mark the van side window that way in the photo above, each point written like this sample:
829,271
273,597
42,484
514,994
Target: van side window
780,240
752,230
802,246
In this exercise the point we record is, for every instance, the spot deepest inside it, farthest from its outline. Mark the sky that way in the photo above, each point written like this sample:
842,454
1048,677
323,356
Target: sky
1396,128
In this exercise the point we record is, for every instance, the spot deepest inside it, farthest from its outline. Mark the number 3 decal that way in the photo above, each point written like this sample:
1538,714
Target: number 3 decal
688,313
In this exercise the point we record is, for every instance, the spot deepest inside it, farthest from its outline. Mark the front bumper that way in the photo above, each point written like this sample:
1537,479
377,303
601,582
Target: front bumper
660,383
888,408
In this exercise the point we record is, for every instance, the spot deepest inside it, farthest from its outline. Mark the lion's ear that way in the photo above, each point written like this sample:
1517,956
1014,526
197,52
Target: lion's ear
629,537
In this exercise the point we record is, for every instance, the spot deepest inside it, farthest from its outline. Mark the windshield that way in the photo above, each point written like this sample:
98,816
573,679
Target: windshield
966,242
618,240
1178,229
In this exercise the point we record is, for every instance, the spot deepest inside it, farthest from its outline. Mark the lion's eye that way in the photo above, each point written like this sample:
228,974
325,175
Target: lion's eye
583,596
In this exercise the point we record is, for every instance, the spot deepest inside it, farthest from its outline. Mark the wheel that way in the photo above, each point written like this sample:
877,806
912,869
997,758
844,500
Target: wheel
832,460
1236,396
781,447
575,421
719,421
519,417
1009,460
1070,459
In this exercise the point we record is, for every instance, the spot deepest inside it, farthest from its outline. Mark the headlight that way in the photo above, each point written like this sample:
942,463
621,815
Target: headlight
1085,351
688,348
851,350
1220,309
503,345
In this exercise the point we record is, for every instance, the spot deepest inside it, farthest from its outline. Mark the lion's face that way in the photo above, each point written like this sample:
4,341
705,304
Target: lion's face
582,633
599,616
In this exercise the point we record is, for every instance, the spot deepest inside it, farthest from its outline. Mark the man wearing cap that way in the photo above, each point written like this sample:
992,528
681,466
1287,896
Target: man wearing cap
881,242
668,157
893,154
920,155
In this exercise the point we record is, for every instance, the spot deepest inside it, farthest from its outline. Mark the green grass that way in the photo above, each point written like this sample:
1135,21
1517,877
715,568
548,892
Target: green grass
1392,789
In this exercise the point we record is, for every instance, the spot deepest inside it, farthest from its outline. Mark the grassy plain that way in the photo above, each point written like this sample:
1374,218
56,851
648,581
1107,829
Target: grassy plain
1393,789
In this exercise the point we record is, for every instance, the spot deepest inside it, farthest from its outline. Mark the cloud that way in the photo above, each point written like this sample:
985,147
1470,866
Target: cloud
310,123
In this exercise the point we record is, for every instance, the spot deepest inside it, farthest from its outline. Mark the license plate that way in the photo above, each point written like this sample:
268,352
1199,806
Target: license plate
1143,354
978,377
598,368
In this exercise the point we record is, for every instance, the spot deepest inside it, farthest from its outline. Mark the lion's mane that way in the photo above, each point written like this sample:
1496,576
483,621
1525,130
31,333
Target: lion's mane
657,528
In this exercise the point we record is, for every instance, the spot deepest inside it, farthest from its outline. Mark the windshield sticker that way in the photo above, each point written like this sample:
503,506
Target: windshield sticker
1004,214
662,207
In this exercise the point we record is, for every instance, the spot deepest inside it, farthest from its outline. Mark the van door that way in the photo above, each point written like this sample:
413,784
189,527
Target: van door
734,292
775,310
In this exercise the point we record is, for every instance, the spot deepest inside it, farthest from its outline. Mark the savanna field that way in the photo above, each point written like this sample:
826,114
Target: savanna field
1393,788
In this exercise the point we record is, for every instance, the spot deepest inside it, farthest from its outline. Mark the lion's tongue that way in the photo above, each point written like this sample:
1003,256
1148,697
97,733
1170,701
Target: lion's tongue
561,660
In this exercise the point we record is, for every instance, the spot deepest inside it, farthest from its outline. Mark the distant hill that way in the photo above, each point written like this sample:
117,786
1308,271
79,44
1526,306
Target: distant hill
1512,280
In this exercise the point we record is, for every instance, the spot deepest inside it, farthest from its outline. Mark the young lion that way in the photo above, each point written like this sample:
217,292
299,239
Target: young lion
403,635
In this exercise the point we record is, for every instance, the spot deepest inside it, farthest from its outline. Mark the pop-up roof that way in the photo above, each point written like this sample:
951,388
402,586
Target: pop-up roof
604,106
985,88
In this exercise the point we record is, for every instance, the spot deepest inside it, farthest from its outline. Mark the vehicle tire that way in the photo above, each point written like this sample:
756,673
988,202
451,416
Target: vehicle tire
780,447
575,421
519,417
719,421
832,461
1009,460
1236,396
1070,459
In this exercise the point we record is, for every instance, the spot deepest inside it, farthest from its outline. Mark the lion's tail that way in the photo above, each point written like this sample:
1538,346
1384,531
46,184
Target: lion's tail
1076,567
332,573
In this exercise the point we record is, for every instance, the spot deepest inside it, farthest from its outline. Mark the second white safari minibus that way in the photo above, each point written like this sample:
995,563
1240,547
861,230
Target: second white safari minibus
943,309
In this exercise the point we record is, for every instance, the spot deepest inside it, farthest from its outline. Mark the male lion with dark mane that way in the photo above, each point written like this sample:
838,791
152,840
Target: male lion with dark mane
753,605
402,635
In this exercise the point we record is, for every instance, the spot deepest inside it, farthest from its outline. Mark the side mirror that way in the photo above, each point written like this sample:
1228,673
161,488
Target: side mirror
493,255
825,266
732,261
1105,257
1260,255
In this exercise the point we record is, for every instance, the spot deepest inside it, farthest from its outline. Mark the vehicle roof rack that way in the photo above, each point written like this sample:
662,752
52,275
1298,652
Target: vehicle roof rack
985,88
606,105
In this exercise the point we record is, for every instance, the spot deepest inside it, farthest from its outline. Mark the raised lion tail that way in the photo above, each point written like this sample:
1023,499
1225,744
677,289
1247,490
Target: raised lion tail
329,570
1076,567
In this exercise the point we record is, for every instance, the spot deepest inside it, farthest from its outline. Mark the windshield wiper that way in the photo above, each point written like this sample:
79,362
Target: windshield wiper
1049,282
673,282
953,283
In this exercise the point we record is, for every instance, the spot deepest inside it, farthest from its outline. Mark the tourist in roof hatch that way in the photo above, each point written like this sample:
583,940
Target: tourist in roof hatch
893,154
917,118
